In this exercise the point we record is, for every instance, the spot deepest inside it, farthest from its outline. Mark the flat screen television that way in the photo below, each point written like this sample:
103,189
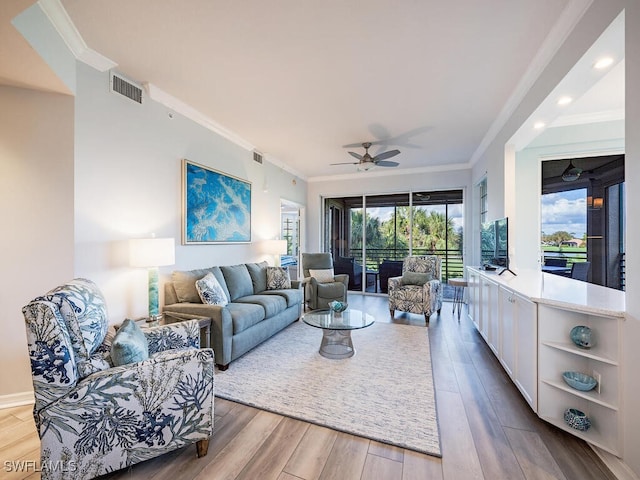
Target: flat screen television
495,243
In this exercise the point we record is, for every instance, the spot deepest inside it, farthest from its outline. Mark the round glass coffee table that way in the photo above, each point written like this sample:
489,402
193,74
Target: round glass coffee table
336,330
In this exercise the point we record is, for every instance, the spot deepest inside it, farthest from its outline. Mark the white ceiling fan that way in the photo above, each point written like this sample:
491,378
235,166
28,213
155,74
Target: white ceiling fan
366,161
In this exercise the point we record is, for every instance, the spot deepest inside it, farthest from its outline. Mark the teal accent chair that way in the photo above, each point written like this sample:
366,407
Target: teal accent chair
319,294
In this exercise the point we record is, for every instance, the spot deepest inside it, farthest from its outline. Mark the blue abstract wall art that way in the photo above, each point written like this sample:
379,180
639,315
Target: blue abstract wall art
216,206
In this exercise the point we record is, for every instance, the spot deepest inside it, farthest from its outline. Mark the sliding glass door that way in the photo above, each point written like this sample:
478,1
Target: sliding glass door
370,235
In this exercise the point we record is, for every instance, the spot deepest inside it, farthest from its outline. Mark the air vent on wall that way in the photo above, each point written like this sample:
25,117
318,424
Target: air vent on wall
257,156
125,87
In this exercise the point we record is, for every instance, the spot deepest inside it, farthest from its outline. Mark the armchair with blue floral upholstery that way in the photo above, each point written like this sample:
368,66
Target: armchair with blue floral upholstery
419,290
94,417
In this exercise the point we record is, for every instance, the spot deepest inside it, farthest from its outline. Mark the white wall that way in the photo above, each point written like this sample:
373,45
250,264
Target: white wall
36,207
70,214
378,182
491,163
128,185
631,336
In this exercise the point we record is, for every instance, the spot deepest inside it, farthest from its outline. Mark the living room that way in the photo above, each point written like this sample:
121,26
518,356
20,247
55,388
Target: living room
104,170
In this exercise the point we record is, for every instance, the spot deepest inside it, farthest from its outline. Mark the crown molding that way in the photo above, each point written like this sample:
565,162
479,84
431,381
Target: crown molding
277,163
168,100
63,24
592,117
386,172
561,30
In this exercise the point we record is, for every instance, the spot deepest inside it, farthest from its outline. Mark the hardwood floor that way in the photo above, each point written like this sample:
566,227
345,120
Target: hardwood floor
487,430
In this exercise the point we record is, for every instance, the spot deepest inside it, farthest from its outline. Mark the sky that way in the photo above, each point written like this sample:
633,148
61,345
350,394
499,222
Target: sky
565,211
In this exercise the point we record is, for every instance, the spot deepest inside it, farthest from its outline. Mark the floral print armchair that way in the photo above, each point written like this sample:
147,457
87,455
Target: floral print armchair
93,417
407,294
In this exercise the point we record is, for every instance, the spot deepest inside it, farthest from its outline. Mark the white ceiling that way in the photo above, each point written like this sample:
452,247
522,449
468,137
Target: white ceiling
300,79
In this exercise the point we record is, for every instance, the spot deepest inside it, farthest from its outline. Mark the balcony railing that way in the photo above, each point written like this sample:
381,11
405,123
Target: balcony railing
452,261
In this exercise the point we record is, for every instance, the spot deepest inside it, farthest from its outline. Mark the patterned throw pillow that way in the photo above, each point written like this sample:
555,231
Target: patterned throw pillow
211,291
278,278
129,345
322,276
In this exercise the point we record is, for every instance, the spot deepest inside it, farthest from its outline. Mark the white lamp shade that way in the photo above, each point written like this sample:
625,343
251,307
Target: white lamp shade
152,252
275,247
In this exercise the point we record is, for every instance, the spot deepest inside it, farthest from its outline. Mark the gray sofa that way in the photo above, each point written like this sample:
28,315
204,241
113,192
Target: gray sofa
252,315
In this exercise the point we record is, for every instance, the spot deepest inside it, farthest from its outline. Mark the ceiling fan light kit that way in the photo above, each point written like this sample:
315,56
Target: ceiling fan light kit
367,162
571,173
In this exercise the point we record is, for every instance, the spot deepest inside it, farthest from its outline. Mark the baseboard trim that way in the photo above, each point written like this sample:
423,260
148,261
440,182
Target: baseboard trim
16,399
617,466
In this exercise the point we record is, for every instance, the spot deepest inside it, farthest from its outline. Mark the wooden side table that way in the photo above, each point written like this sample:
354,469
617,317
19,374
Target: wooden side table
458,285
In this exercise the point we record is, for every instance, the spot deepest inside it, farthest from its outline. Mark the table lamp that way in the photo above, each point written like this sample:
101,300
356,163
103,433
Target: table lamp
275,248
152,253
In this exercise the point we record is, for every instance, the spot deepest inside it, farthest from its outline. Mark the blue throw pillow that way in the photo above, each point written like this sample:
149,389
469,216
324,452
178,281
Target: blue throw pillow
129,345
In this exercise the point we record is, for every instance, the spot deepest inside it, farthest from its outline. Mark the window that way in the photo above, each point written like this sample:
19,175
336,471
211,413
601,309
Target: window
373,228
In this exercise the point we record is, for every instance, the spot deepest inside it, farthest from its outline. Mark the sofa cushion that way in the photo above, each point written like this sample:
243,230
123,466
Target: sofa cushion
293,296
278,278
238,281
272,304
245,315
129,345
258,273
184,283
210,290
330,290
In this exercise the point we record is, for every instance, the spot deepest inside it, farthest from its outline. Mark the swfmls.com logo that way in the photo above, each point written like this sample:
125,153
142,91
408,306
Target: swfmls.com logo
36,466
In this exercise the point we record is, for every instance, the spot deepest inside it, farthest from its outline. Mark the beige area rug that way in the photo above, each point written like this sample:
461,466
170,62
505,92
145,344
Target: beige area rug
385,392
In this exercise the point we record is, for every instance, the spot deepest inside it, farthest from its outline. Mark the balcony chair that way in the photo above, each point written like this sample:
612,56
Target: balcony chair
555,262
94,417
348,266
580,270
419,289
320,282
388,269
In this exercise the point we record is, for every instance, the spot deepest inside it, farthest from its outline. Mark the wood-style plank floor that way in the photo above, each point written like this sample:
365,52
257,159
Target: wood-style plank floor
487,430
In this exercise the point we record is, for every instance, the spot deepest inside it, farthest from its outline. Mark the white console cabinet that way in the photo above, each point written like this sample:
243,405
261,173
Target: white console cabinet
526,320
519,342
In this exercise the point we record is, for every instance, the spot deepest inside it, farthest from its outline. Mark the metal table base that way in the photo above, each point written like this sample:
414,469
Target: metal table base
336,344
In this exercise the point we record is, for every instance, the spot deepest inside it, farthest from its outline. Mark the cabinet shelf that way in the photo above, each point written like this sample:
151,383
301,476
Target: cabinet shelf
571,348
593,435
592,396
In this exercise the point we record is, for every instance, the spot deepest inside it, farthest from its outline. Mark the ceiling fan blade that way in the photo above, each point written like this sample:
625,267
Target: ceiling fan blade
386,163
356,155
346,163
384,155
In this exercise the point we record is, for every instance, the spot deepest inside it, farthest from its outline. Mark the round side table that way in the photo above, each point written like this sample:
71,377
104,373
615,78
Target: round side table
458,285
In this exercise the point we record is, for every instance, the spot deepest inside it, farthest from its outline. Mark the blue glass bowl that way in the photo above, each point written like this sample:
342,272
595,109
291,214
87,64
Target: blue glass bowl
577,419
579,381
338,307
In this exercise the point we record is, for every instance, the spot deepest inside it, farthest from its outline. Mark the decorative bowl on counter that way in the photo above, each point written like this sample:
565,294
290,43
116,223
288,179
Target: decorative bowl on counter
579,381
582,336
577,419
338,307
